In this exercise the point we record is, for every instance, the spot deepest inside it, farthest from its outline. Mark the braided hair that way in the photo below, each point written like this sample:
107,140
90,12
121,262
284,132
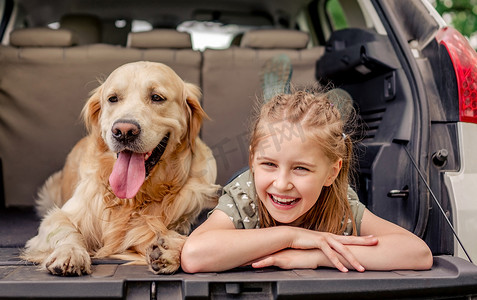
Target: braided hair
316,114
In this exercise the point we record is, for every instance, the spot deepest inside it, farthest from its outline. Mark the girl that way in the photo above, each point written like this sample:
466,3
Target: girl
294,208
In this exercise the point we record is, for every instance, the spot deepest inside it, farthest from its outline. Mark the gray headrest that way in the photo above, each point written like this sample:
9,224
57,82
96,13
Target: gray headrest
275,39
160,38
42,37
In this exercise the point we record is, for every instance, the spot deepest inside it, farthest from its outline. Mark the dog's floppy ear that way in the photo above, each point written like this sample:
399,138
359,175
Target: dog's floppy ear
92,110
196,113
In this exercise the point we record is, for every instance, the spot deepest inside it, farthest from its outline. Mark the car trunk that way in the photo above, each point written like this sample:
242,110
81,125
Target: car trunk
397,113
111,279
450,277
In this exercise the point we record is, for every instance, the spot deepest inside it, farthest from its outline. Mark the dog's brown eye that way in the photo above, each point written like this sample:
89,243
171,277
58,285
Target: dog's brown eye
158,98
113,99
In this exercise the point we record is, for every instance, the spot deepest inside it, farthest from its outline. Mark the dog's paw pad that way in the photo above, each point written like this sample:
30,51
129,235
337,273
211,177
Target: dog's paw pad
163,244
162,266
163,257
155,253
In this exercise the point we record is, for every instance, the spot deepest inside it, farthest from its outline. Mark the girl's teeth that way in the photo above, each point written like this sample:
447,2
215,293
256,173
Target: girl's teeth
282,200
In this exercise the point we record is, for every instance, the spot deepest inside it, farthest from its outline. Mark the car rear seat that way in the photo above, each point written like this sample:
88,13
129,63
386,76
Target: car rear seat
231,84
45,80
39,115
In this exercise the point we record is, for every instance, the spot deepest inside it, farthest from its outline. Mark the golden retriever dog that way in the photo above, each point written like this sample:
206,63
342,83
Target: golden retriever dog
134,185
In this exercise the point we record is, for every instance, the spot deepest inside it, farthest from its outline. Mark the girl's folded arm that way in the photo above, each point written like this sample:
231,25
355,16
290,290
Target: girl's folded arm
398,248
217,246
395,248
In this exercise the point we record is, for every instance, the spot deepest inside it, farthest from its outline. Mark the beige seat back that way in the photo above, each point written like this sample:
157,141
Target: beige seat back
44,83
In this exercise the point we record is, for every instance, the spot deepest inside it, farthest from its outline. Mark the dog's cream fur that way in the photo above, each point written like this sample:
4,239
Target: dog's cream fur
88,220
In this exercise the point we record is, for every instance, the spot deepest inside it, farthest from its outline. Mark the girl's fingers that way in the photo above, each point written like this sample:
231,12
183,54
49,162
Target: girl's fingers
263,263
288,259
357,240
346,254
276,260
332,246
331,255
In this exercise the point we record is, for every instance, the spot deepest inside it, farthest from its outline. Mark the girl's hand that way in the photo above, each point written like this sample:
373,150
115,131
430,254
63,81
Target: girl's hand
333,246
292,259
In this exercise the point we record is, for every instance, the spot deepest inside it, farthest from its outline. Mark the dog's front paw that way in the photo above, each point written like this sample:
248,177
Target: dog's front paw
164,256
68,260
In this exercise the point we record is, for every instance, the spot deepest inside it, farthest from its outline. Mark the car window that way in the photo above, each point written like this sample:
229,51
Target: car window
213,35
140,25
136,25
336,15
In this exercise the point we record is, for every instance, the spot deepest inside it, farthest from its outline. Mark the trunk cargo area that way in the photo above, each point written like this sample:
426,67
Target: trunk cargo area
449,278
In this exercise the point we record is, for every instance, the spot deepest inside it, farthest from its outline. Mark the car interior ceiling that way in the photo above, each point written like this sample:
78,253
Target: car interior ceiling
173,12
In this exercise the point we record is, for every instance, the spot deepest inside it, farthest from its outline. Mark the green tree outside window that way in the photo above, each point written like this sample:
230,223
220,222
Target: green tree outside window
460,14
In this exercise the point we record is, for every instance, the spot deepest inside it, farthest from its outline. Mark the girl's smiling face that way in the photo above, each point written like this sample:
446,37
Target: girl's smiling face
290,171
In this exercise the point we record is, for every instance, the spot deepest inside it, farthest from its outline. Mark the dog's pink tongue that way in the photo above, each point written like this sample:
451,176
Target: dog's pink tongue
128,174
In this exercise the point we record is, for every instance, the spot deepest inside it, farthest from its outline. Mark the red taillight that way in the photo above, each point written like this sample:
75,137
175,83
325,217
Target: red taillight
464,59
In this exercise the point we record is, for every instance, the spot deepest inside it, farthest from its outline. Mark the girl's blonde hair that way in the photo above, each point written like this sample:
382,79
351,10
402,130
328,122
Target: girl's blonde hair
316,115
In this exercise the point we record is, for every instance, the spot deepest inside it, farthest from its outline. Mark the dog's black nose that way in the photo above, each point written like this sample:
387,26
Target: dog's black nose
125,131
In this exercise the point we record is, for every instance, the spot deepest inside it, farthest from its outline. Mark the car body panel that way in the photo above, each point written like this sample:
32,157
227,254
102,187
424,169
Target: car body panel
461,186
